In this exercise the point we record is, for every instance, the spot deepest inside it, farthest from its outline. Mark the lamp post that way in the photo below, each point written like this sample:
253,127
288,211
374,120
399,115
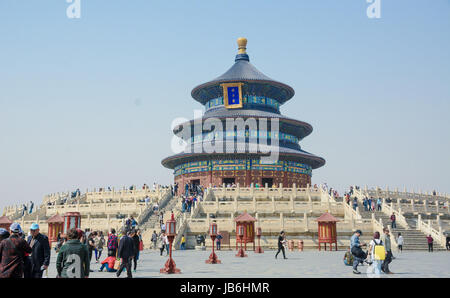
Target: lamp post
259,250
170,266
213,234
240,234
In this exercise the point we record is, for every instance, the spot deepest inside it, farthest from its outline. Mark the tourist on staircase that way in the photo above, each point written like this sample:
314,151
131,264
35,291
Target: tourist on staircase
154,239
379,203
430,243
393,221
400,242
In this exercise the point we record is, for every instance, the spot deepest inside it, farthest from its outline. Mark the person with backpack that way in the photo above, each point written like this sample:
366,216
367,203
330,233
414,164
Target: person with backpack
356,250
12,253
377,253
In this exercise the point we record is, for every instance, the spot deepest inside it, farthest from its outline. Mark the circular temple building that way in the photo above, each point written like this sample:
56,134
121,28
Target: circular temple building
219,150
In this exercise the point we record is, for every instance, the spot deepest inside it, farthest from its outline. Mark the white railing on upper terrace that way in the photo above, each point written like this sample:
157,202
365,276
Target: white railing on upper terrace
425,227
378,191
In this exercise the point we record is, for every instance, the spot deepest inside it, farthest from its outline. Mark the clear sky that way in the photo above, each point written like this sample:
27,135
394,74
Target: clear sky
89,102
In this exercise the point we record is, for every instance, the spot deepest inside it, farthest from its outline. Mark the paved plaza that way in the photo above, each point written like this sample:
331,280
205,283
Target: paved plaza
299,264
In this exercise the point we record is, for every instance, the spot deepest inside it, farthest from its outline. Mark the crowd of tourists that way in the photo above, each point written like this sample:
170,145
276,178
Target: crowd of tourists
29,257
378,254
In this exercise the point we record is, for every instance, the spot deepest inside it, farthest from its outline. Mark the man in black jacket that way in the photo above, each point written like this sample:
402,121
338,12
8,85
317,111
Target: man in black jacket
136,241
281,241
126,254
40,251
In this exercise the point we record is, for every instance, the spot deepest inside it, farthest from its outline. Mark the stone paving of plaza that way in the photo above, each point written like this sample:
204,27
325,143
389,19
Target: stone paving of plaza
298,264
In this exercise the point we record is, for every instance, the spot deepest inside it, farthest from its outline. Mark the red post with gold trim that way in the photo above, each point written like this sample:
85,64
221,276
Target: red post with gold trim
170,266
240,234
213,259
259,250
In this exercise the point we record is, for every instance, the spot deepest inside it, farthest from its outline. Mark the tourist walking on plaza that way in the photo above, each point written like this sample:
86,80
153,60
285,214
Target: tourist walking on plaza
377,253
136,241
356,250
218,241
112,243
154,239
40,251
387,247
183,243
91,244
393,221
162,243
12,252
400,242
99,243
430,243
447,242
73,257
166,242
125,253
281,242
355,203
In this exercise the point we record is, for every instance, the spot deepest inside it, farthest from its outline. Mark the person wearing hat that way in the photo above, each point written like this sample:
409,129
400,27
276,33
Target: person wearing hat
358,253
12,251
40,255
4,234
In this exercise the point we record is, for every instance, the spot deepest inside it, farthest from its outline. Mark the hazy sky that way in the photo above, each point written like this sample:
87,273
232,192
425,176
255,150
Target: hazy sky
89,102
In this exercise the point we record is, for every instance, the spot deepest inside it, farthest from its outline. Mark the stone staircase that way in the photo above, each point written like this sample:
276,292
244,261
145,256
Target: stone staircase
413,240
151,222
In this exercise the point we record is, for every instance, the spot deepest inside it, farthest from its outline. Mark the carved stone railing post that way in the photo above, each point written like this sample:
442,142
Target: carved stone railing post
305,219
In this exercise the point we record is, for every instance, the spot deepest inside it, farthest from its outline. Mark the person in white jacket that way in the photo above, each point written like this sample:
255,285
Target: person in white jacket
400,242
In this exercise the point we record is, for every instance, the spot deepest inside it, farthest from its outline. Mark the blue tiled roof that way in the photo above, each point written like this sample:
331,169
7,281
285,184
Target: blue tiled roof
256,83
297,155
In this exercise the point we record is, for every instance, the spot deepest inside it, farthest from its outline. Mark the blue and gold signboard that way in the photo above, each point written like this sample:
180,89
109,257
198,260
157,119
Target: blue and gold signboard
232,95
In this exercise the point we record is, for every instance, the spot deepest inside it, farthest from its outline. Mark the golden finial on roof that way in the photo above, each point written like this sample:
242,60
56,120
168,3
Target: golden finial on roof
242,43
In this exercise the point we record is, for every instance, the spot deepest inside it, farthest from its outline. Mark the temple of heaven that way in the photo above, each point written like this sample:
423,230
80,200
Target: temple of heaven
221,152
